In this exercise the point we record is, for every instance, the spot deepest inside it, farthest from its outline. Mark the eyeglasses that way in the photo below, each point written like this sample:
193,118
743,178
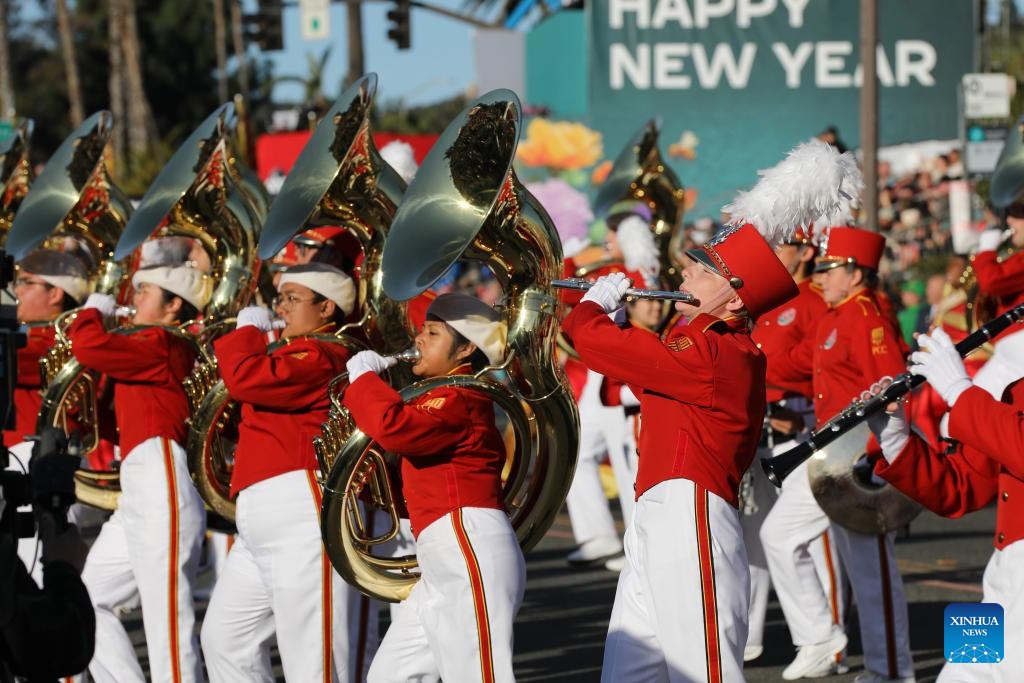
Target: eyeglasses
289,301
25,282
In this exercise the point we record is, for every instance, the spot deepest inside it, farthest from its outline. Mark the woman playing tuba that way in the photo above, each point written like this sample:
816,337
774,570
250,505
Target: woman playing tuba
277,576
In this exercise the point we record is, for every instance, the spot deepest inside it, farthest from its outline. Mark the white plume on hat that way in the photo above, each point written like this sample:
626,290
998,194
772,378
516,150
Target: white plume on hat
812,182
638,248
194,286
58,269
474,320
325,280
400,157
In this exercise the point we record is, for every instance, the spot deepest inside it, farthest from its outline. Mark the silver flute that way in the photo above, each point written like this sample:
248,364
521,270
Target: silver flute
581,285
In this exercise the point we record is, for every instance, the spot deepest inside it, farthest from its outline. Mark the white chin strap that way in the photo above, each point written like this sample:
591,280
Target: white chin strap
719,299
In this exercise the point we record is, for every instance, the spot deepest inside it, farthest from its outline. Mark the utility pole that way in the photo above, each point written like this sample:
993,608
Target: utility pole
869,110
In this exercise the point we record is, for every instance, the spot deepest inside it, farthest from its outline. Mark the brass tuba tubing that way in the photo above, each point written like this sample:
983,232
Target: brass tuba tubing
582,285
779,467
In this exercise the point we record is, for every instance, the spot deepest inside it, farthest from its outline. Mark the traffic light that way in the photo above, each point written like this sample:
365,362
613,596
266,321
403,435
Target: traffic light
399,18
265,27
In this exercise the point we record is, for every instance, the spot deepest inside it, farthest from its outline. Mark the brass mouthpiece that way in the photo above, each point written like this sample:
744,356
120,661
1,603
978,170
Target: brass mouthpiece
410,355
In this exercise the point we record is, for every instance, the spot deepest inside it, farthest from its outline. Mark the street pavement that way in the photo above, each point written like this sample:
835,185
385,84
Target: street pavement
561,626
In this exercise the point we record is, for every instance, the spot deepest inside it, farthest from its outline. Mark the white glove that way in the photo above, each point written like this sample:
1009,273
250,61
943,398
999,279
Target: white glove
104,303
892,432
254,316
990,240
608,291
941,365
367,361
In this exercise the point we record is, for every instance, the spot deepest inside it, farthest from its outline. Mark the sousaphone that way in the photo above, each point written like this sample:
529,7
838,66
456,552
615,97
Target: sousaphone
75,205
641,174
338,180
467,204
205,193
15,174
1006,192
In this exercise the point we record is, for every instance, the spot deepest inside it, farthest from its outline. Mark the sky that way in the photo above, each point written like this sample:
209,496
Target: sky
438,65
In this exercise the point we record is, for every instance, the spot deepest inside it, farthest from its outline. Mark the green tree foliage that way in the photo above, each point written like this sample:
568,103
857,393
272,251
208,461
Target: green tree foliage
395,117
179,62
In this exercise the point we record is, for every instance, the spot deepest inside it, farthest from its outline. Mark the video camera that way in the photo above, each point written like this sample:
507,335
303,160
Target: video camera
49,484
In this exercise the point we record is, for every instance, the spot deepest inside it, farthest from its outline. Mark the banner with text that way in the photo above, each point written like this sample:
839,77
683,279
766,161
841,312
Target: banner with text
739,82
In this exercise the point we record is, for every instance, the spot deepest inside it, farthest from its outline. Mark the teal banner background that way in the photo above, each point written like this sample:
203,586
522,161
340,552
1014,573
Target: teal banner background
715,67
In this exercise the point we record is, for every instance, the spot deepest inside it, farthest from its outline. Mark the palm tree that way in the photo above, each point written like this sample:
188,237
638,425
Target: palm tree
141,125
220,41
6,90
115,82
67,46
312,83
356,56
238,42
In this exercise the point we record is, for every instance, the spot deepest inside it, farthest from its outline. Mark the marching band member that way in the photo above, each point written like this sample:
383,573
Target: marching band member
986,466
603,429
771,517
1003,280
472,569
702,401
48,284
150,546
277,579
854,342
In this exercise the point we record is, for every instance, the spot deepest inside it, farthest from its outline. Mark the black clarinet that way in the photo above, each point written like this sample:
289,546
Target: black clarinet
779,467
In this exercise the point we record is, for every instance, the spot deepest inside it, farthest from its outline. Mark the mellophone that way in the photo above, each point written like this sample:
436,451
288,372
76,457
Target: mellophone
779,467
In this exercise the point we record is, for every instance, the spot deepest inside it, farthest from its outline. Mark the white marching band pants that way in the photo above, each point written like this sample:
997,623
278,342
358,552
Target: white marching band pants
823,575
1005,366
603,430
1003,583
456,624
680,611
148,549
869,563
278,580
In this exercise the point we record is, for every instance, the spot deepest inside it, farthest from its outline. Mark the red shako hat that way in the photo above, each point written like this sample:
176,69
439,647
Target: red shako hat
850,246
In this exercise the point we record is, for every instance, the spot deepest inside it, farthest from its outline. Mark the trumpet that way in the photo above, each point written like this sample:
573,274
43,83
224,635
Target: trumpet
581,285
779,467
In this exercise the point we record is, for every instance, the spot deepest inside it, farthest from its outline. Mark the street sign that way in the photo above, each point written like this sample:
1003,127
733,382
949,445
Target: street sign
315,19
987,96
984,143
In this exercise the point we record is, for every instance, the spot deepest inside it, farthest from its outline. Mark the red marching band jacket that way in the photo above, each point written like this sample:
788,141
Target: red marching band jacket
27,396
988,463
854,346
783,328
452,453
701,391
1004,280
147,368
284,400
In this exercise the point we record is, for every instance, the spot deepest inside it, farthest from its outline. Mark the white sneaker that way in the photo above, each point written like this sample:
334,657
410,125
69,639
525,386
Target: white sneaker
872,677
595,550
811,660
616,564
752,652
